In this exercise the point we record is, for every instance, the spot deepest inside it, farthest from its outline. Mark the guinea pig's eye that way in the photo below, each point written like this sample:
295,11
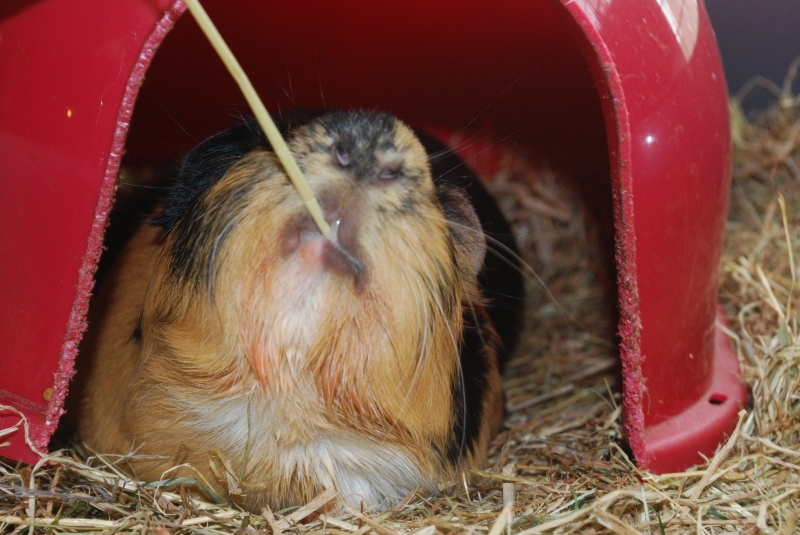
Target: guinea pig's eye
342,156
389,173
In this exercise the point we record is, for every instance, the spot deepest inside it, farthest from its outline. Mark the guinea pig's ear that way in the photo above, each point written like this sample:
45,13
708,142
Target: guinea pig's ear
465,227
204,165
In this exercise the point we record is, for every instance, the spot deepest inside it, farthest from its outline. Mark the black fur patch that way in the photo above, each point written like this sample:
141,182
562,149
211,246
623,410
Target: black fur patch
184,215
137,331
500,280
204,165
359,135
469,389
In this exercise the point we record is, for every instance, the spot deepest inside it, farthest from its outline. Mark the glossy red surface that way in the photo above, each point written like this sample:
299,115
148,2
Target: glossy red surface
628,96
674,443
667,108
68,86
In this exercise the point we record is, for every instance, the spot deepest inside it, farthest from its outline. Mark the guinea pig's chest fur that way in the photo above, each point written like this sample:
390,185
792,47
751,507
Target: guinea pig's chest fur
306,362
291,440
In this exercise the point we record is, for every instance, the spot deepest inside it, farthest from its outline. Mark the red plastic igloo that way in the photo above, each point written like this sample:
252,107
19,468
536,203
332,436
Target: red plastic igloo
629,94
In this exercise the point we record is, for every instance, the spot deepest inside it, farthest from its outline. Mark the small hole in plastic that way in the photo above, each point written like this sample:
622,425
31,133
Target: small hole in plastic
717,399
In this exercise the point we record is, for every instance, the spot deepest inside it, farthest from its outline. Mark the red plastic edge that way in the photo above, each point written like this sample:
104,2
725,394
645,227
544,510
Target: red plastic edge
684,439
619,144
41,427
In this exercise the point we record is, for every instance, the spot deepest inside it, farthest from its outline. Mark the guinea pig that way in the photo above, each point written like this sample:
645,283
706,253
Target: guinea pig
230,329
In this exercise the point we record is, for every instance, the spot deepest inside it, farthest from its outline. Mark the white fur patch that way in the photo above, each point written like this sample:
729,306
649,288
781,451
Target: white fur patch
360,470
302,444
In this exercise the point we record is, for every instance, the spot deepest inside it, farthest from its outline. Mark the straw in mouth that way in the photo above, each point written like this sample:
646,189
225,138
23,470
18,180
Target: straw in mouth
261,114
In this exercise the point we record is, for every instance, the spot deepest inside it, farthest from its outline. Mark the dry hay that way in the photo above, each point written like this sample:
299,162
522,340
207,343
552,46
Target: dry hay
560,463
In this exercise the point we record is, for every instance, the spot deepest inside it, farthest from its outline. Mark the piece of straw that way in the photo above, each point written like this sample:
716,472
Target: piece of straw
260,112
782,204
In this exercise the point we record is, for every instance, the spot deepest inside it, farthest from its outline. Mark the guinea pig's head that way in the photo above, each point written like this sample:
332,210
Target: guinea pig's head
366,315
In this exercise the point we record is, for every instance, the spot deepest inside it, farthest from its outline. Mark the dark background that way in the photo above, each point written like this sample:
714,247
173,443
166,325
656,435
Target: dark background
756,37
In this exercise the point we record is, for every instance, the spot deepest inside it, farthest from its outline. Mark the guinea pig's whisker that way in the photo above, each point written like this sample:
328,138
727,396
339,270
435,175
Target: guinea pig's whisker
508,256
436,299
416,291
419,302
144,186
465,162
495,99
440,307
527,269
490,293
455,144
477,322
422,311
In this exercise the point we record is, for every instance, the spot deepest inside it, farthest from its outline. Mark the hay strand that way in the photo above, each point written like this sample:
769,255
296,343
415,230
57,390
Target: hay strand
260,112
563,431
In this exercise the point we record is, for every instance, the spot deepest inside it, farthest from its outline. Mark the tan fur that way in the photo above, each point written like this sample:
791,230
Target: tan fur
318,358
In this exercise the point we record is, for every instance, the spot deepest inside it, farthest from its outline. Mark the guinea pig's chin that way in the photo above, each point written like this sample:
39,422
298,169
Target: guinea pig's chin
311,277
302,297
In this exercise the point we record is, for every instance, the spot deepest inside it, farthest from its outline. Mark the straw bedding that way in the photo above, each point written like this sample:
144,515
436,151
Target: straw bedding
560,464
